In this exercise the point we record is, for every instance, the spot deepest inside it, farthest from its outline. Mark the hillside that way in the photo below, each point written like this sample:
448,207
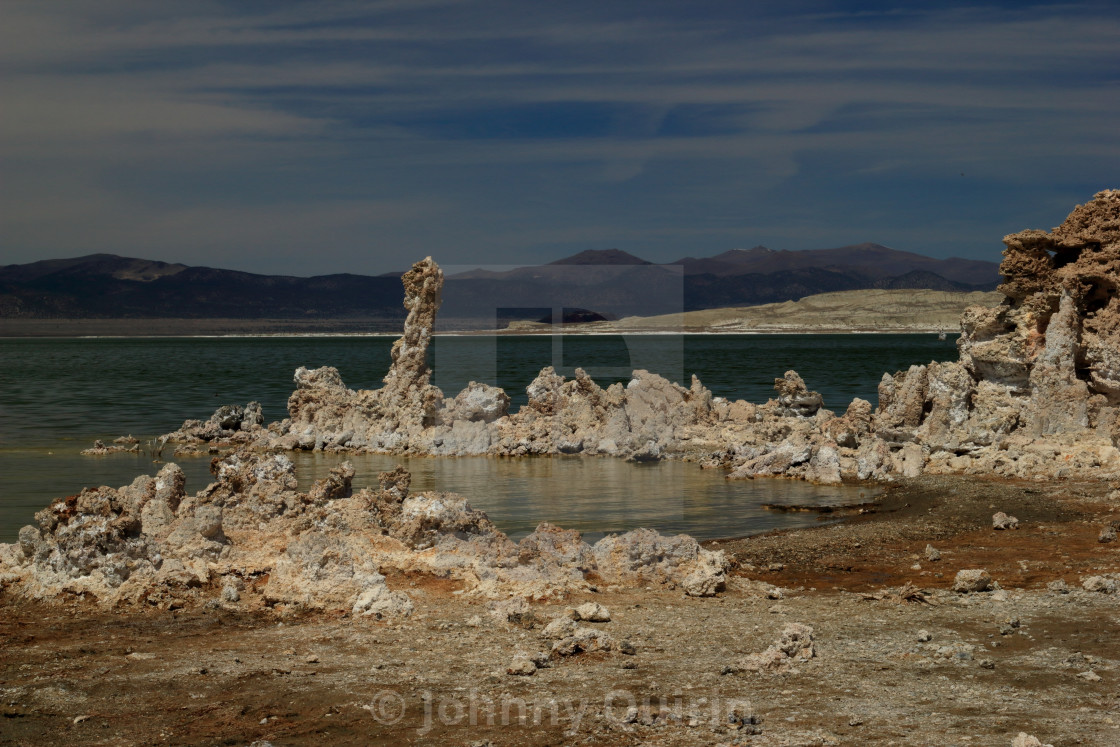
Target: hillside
849,311
609,284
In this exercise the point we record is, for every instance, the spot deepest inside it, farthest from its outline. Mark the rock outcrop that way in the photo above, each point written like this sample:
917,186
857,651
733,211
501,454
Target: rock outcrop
252,538
1035,393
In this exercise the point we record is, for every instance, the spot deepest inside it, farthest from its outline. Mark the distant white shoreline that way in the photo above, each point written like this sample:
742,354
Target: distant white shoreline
359,335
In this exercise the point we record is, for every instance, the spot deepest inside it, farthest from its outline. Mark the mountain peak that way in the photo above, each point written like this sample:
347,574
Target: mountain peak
602,257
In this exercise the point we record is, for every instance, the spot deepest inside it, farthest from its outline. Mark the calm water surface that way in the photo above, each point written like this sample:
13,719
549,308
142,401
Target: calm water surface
56,396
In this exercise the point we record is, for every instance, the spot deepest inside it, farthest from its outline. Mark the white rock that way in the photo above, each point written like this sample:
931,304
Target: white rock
592,612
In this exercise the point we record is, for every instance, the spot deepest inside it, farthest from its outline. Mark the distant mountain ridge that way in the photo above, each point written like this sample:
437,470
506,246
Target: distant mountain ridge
609,282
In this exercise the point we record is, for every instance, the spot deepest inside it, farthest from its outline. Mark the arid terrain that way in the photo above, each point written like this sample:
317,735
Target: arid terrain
927,666
913,310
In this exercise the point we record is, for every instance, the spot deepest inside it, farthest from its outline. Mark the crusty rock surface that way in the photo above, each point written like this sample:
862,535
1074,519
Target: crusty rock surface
795,645
253,538
972,580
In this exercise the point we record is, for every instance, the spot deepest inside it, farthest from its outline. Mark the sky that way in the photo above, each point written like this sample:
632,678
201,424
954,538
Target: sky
312,138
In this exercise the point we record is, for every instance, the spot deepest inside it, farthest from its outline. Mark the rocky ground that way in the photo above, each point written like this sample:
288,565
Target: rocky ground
894,656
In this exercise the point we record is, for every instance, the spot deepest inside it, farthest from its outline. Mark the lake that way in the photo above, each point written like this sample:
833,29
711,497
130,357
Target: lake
58,395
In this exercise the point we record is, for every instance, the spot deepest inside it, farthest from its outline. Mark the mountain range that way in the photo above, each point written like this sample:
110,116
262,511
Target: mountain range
608,283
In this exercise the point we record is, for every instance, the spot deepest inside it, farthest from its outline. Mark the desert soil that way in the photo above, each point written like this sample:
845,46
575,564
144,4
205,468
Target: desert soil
1023,658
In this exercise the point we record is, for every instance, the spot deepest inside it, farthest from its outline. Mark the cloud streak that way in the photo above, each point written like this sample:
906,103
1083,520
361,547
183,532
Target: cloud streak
486,132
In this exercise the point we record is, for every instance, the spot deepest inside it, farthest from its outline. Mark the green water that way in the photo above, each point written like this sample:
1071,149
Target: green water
57,395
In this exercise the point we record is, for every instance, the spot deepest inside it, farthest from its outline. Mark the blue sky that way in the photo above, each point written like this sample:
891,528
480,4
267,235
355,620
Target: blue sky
309,138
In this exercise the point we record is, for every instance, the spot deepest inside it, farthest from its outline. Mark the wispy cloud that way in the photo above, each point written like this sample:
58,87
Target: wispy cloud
494,131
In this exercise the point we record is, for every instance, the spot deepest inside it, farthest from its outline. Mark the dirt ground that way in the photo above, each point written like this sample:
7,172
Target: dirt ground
955,669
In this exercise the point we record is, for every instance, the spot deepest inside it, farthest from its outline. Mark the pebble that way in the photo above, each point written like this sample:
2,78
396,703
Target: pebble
932,554
924,636
1090,676
1108,534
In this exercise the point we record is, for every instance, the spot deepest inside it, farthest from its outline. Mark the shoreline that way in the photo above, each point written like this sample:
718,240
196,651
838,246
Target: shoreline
490,333
887,666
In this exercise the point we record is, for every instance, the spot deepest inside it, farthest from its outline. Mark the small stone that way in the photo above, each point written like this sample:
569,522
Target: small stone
313,659
1026,740
1090,676
775,567
855,721
592,612
932,554
972,580
924,636
474,621
987,664
1001,521
521,666
80,719
627,647
916,567
1108,534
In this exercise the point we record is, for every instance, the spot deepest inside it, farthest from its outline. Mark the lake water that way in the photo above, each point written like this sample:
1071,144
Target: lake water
58,395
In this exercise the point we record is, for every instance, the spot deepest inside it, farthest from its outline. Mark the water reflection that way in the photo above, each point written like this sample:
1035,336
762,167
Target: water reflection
593,495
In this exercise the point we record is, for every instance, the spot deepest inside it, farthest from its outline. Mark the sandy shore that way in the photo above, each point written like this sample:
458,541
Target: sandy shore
1025,658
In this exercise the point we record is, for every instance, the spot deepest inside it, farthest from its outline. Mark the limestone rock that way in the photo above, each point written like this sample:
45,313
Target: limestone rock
794,398
1100,584
521,666
794,645
972,580
1000,521
581,641
644,556
592,612
478,402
